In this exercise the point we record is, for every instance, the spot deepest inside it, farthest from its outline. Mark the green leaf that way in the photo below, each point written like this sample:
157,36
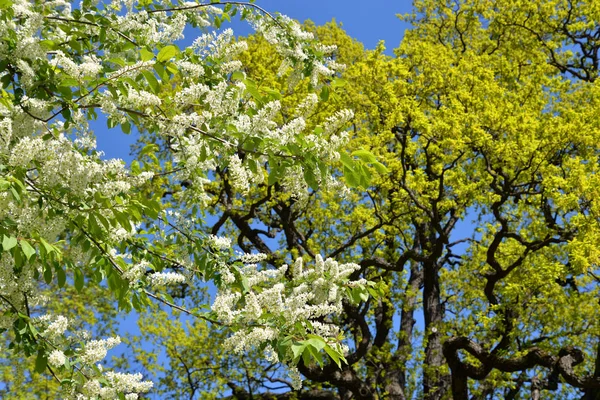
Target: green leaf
275,94
61,276
19,260
380,168
298,349
167,52
162,73
15,194
314,353
66,113
364,295
150,148
45,44
126,127
238,76
253,90
47,246
28,250
152,81
351,177
365,176
335,356
365,155
93,226
48,274
78,279
41,361
316,341
310,178
146,55
172,68
346,160
252,165
306,355
324,93
119,61
338,82
9,242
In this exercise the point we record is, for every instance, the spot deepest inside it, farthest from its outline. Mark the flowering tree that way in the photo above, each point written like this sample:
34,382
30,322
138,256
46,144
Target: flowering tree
483,223
485,231
70,220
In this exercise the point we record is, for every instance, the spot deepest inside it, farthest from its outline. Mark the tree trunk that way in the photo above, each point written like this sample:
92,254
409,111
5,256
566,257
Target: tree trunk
433,382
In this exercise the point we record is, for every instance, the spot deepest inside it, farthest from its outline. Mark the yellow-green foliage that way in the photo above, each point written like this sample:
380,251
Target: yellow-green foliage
487,121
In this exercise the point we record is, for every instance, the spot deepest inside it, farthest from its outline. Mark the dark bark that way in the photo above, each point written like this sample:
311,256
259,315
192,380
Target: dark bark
395,377
346,380
240,393
432,308
561,364
594,394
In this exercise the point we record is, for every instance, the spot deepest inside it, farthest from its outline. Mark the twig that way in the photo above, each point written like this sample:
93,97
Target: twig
183,310
238,3
118,32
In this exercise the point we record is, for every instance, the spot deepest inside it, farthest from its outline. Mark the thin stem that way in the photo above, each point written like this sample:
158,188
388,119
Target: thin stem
118,32
184,310
238,3
9,303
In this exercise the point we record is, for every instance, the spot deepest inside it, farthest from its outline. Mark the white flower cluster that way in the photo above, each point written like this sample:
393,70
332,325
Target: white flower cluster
131,384
311,295
141,99
90,67
296,53
87,353
253,258
60,163
57,358
136,271
218,242
166,279
95,350
238,175
125,383
130,71
57,328
219,45
307,106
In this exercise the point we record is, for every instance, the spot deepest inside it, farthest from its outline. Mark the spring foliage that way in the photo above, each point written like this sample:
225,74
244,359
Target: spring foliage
482,225
71,221
470,200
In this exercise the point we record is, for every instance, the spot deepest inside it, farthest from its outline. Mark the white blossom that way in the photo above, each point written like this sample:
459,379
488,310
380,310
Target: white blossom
205,117
95,350
296,378
166,278
218,242
58,327
57,358
239,175
253,258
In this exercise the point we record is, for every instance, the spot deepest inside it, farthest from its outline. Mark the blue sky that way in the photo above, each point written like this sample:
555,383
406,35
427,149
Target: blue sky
368,21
